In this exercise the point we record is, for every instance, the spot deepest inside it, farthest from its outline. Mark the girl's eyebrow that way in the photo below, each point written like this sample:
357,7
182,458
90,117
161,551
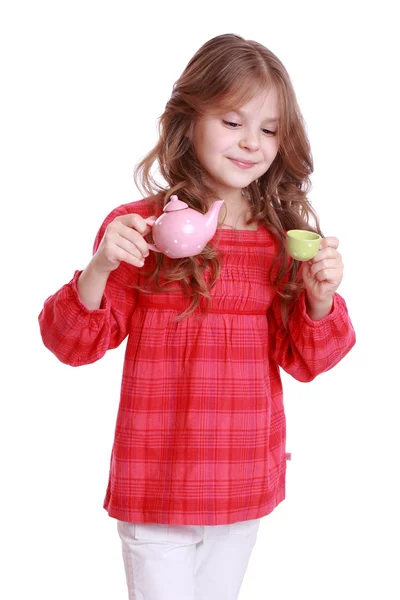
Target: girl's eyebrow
267,120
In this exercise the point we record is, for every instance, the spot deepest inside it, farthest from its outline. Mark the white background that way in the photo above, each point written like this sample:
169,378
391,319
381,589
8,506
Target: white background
83,83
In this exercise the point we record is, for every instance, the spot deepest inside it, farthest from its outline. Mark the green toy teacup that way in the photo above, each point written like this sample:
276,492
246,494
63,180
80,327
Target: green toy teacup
302,245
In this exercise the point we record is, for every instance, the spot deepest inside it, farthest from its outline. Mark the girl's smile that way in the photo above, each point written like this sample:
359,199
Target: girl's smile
243,164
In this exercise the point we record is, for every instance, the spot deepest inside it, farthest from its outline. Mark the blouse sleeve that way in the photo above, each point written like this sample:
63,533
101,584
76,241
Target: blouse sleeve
79,336
307,348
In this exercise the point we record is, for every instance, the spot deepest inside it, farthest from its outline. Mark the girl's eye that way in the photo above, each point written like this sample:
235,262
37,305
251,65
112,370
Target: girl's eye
236,125
230,124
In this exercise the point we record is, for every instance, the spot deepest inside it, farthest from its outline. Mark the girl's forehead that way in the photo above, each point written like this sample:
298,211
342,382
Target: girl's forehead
263,101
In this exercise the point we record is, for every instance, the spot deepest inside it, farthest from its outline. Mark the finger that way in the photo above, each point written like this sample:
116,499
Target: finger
130,247
135,222
151,220
326,264
330,275
324,254
124,256
329,242
135,238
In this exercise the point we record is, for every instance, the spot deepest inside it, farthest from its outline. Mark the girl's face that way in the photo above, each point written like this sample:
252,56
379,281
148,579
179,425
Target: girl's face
236,148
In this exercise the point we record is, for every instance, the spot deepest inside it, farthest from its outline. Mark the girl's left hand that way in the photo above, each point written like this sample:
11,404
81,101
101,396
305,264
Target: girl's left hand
322,275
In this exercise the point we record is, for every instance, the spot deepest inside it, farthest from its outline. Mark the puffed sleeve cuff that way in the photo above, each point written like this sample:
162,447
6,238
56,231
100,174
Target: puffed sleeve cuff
335,325
338,311
75,334
322,343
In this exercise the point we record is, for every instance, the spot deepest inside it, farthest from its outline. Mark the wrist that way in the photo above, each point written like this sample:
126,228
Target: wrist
318,309
91,285
96,270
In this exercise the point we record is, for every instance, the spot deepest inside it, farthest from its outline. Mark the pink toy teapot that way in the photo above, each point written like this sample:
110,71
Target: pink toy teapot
182,231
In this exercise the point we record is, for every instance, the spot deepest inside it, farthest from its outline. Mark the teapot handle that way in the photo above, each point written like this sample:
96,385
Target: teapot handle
150,222
153,247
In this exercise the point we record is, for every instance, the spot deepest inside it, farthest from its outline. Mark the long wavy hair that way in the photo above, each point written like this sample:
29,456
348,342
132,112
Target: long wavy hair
223,75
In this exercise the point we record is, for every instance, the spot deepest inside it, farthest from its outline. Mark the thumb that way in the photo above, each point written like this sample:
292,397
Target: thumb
149,222
306,272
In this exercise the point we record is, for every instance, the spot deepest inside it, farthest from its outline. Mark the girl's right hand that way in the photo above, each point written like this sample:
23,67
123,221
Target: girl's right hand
123,240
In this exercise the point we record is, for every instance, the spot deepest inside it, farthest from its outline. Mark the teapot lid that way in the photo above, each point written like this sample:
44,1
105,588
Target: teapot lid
175,204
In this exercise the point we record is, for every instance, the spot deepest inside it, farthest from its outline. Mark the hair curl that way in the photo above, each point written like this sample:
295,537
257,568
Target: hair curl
223,75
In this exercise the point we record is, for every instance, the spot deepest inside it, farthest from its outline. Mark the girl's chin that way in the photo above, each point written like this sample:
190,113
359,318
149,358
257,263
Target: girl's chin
236,183
235,188
228,191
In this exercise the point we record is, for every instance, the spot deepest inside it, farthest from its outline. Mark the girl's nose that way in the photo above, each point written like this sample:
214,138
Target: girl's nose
250,141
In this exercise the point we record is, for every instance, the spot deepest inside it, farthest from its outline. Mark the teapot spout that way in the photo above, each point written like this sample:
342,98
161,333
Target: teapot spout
212,217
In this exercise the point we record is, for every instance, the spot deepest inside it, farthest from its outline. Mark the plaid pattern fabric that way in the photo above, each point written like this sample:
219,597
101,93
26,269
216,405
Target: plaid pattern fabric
200,432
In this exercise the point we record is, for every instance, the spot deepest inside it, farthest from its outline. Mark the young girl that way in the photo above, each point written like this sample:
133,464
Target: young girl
199,451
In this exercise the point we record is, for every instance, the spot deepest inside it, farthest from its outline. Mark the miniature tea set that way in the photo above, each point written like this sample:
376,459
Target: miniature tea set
182,231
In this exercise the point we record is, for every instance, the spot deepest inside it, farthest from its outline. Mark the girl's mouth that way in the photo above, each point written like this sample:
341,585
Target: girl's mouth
242,164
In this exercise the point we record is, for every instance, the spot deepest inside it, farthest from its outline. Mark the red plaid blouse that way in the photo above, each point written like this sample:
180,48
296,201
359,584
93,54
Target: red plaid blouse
200,431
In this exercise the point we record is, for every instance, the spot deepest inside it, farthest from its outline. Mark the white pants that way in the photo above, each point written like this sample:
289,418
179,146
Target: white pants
176,562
